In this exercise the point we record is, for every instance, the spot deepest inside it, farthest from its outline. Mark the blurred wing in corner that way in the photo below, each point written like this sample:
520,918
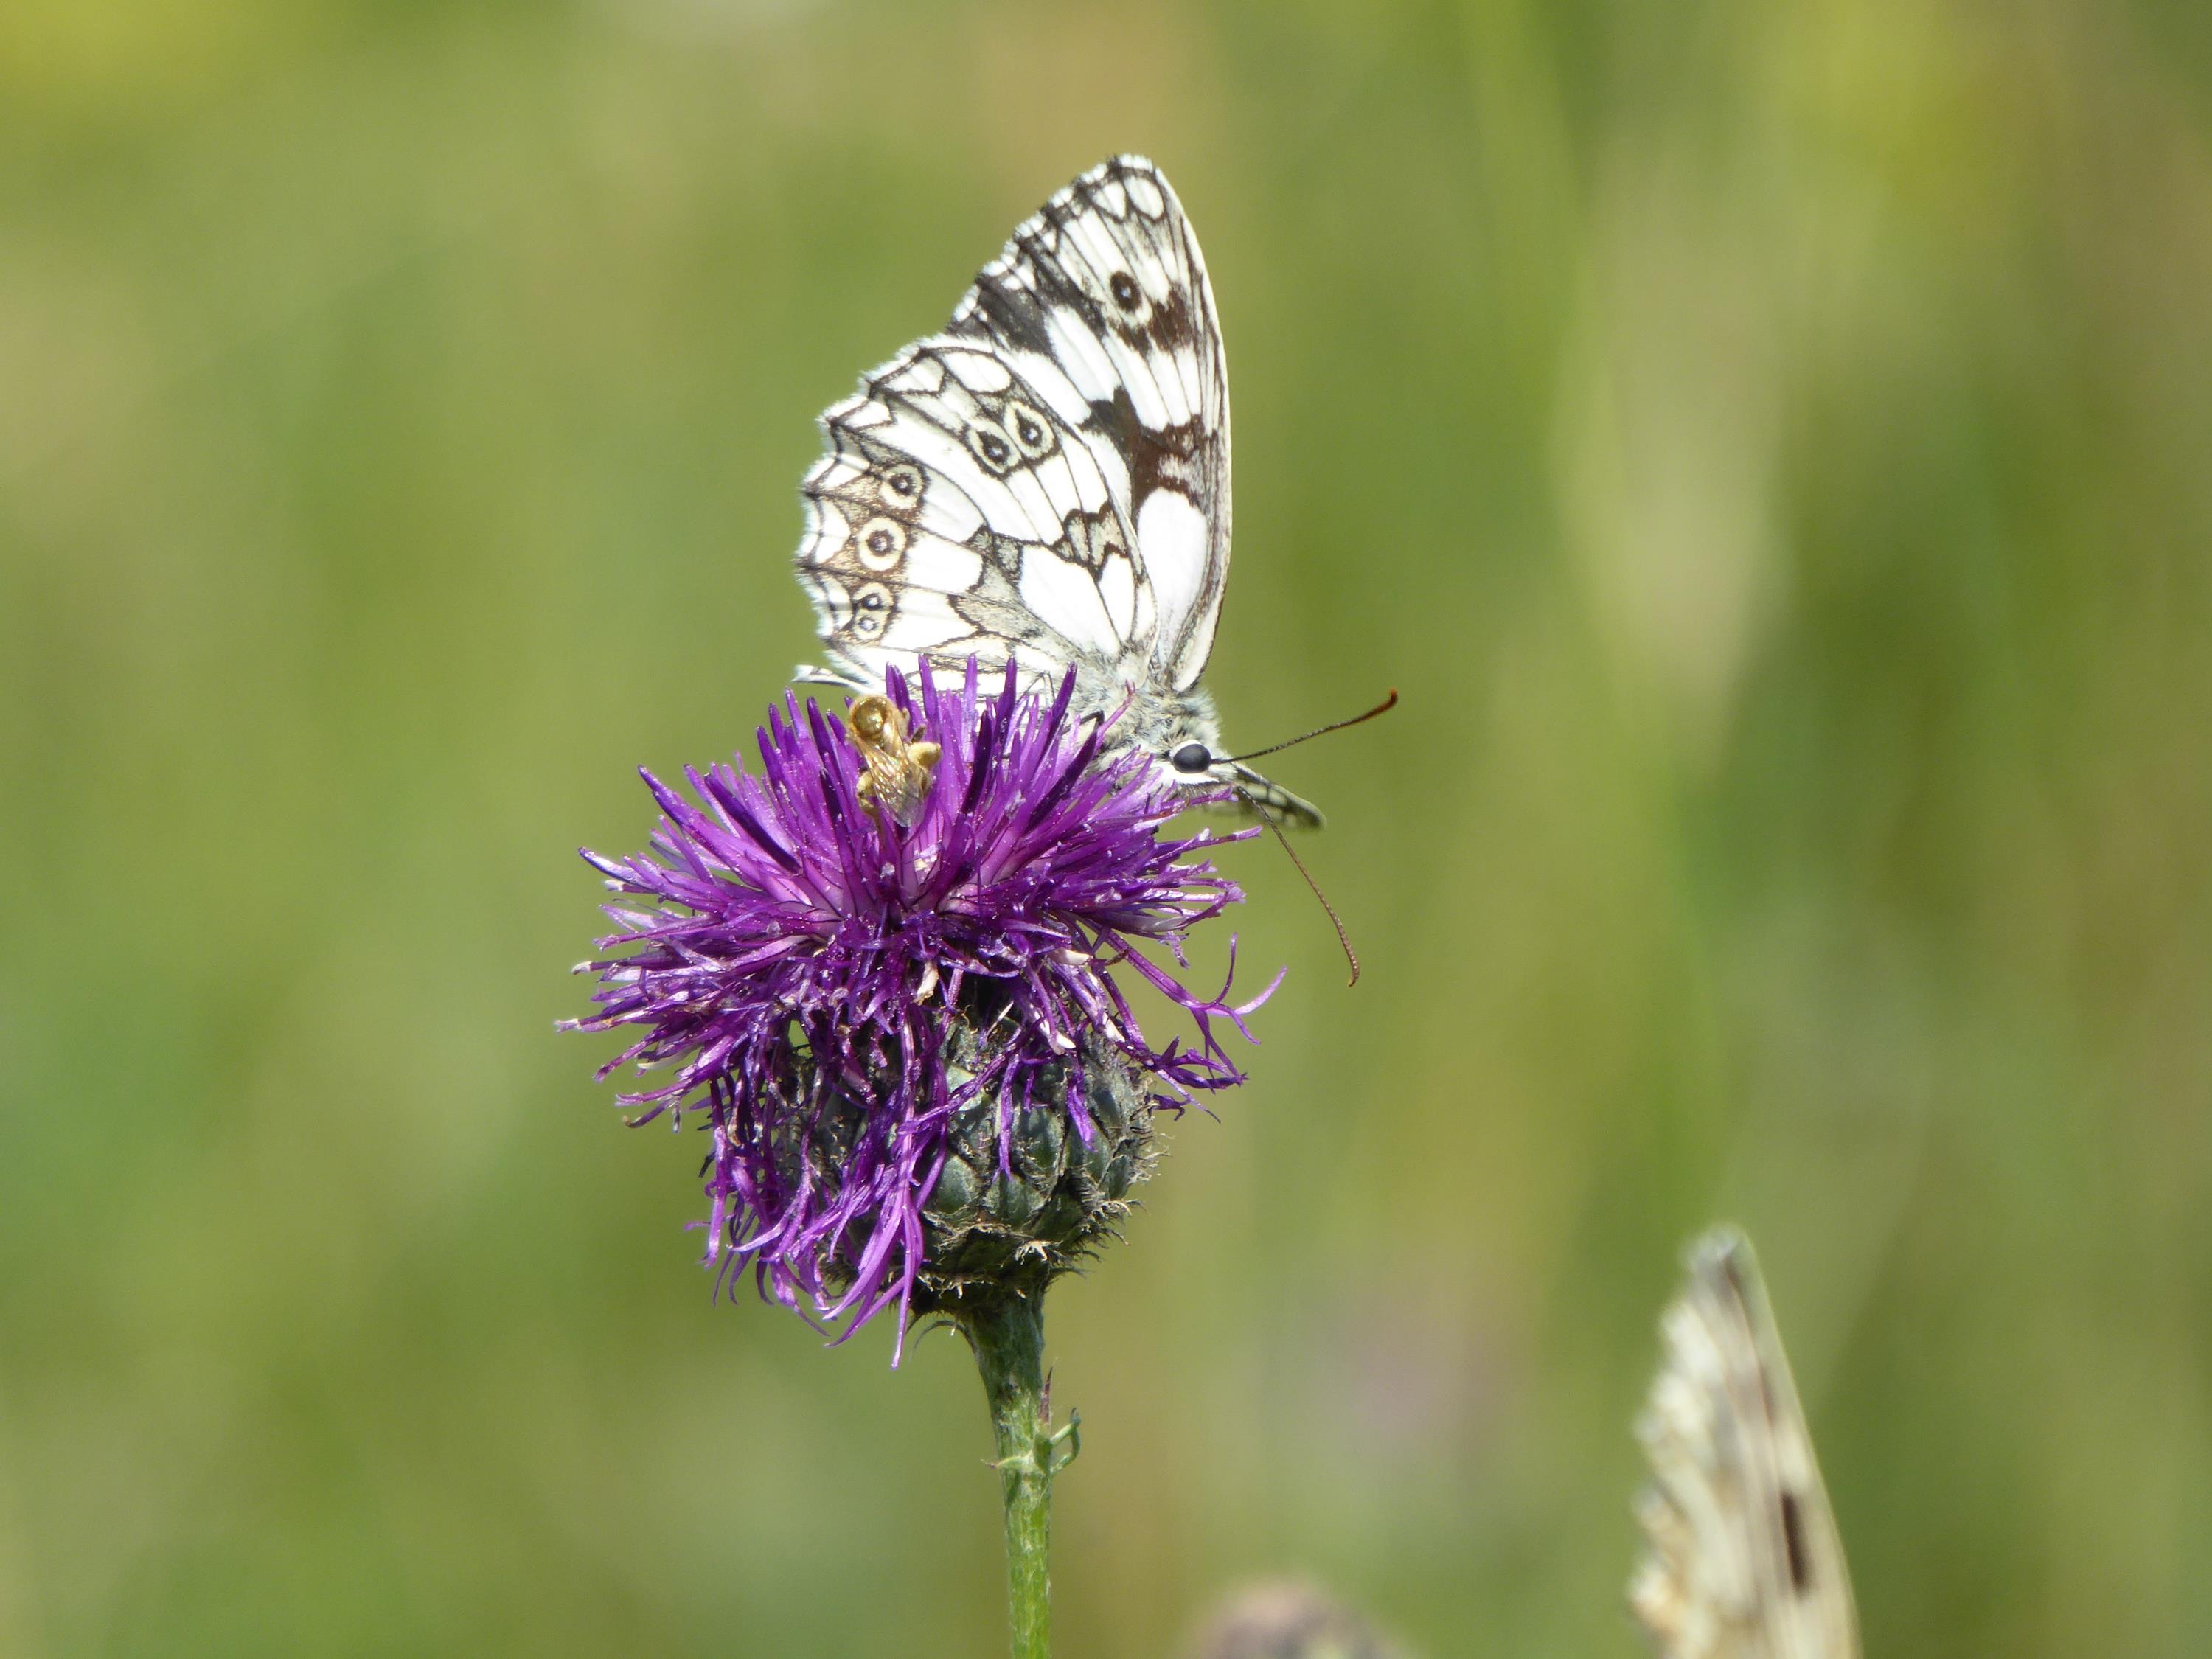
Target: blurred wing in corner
1743,1557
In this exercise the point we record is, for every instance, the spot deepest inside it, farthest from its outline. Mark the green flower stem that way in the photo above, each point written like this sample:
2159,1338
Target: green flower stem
1007,1333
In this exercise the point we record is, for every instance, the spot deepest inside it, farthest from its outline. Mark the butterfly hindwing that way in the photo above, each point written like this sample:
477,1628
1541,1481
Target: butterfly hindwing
1048,480
931,525
1745,1561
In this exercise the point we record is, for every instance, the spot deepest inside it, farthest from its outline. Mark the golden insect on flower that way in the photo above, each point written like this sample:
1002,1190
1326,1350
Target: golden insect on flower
896,771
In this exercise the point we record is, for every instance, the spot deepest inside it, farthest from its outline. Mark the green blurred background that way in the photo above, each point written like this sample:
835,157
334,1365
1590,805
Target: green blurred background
1769,447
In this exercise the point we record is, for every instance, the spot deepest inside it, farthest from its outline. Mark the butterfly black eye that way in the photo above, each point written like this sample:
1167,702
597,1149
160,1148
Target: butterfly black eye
1125,290
1191,757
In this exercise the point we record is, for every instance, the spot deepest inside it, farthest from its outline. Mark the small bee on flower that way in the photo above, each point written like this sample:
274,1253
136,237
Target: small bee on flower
898,772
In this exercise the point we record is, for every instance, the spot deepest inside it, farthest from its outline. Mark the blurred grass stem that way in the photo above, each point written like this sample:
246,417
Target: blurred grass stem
1007,1333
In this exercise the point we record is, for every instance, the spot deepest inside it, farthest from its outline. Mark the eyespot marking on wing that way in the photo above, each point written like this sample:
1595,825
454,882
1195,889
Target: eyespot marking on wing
992,446
880,544
872,604
1030,430
902,487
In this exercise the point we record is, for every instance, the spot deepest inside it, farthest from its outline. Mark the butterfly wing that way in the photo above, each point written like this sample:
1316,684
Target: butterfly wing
1048,479
1744,1560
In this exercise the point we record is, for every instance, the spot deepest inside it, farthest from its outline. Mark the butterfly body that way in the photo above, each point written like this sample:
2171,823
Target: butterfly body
1046,482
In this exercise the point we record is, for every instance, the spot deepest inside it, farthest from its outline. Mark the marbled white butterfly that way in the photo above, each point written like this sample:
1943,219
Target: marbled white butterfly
1744,1559
1047,481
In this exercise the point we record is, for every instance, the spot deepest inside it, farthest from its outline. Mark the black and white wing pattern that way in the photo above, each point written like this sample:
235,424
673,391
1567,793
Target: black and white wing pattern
1744,1560
1048,479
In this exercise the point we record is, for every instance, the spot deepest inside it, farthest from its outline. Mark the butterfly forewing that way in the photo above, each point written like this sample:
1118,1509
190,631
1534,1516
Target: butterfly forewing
1048,479
1744,1559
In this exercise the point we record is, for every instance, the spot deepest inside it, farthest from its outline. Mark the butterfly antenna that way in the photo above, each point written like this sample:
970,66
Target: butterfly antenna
1336,921
1382,707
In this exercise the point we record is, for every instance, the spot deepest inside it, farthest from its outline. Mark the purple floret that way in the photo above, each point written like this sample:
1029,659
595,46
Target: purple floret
802,960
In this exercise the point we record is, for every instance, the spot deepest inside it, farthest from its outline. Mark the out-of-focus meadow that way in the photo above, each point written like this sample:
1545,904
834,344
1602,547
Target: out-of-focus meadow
1769,448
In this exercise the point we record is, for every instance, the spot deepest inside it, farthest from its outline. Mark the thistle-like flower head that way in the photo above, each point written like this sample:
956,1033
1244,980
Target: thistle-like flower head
894,1005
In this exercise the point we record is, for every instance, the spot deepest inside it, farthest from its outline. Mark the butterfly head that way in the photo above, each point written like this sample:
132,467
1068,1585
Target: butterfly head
1180,731
1195,765
1192,748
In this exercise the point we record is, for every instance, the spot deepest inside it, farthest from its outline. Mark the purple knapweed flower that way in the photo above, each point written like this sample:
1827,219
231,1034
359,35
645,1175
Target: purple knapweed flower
899,1015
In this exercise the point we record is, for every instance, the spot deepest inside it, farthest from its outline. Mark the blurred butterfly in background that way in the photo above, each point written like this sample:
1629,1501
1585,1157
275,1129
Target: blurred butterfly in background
1744,1560
1047,481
